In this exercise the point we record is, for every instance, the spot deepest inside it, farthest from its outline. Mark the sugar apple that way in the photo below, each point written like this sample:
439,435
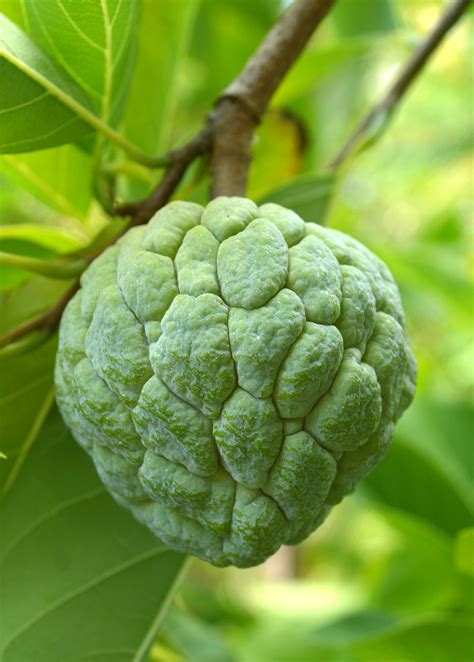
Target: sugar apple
233,372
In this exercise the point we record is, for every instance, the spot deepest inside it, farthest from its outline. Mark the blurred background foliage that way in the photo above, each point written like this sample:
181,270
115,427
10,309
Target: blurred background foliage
390,576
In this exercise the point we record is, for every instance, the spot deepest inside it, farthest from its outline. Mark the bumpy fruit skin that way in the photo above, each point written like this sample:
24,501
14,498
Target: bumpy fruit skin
233,372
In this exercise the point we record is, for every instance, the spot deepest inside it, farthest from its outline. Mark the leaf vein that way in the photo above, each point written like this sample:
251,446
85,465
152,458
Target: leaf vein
84,36
40,136
59,56
92,584
49,515
31,102
108,62
29,440
31,175
21,391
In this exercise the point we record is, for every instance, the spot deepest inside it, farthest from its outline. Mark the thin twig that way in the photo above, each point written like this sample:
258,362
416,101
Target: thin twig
229,129
241,105
404,80
179,160
239,109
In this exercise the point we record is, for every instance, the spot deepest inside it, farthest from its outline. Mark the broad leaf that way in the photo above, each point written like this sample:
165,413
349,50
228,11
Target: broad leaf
367,636
25,387
427,471
442,431
37,241
413,482
437,639
430,270
355,18
320,62
26,381
464,551
405,582
193,639
226,35
80,578
12,276
309,196
41,105
277,154
30,299
162,57
356,627
13,9
95,45
163,42
60,177
57,240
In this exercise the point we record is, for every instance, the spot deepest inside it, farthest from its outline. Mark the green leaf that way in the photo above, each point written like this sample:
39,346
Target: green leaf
356,627
276,154
14,11
318,63
432,452
193,639
437,639
40,102
309,196
95,47
25,384
368,636
371,635
43,106
442,431
12,277
464,551
56,239
31,241
24,345
425,491
80,578
59,177
432,270
164,33
355,18
30,299
405,583
59,269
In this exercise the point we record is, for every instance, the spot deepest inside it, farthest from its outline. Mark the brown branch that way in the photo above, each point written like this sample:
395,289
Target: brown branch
226,135
229,129
179,160
404,80
241,105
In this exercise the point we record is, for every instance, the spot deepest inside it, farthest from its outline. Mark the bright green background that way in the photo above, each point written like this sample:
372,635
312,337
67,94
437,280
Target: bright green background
389,577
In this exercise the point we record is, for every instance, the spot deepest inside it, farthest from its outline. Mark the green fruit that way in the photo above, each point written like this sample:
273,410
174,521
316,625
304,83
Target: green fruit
233,372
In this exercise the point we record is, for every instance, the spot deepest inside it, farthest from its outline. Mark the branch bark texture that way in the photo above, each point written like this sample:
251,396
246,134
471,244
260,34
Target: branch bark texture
228,132
241,105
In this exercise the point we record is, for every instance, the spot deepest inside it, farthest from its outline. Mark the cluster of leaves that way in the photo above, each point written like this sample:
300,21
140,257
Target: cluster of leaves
88,96
104,91
390,576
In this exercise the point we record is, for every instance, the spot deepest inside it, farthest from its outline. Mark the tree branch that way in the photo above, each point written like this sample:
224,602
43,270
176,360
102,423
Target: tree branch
241,105
179,160
227,135
229,128
382,111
